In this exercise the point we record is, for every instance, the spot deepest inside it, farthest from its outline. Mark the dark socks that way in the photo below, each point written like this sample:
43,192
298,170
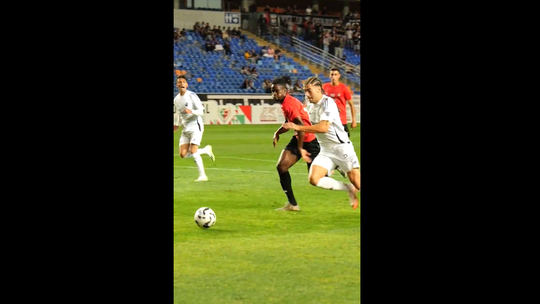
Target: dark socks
285,180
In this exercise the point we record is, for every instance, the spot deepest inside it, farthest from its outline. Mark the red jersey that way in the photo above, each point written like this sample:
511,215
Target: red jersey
293,108
340,94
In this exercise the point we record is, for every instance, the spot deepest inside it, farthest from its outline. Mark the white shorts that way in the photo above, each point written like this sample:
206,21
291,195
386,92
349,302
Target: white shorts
191,137
342,155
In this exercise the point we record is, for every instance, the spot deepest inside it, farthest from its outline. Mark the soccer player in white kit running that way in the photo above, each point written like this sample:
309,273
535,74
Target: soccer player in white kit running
188,109
336,148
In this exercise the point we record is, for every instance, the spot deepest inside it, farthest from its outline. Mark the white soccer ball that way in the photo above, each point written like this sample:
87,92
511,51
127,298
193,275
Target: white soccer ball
205,217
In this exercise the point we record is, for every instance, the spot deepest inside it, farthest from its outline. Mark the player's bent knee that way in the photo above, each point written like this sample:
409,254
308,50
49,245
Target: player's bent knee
282,168
314,180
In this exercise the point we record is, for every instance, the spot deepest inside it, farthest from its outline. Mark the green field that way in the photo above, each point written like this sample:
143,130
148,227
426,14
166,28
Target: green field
254,254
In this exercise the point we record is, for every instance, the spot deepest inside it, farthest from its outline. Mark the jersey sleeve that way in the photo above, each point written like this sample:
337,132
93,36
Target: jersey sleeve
198,108
347,93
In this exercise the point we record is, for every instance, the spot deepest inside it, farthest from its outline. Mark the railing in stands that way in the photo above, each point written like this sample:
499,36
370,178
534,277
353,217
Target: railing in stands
319,57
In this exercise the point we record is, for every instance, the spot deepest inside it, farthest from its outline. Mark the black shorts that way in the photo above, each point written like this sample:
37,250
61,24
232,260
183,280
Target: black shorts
346,127
312,147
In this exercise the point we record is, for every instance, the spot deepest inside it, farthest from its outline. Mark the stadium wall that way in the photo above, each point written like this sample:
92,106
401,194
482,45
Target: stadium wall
250,109
187,18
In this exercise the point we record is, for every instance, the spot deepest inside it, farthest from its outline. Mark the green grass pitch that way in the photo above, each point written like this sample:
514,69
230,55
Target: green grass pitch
254,254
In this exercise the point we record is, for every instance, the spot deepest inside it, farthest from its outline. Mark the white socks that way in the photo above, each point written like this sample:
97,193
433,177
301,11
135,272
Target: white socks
332,184
199,162
203,151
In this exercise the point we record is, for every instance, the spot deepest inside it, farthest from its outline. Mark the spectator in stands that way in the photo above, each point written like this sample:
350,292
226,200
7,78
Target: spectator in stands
254,73
338,51
278,10
209,47
308,10
225,36
227,48
218,47
254,56
288,10
267,8
234,33
326,42
324,11
298,86
333,44
349,37
176,37
245,71
312,37
208,35
247,55
267,86
269,52
218,32
262,25
356,41
294,9
277,54
247,84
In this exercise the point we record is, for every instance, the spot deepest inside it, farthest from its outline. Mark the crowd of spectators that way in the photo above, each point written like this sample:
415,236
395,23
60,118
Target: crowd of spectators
301,11
207,33
343,34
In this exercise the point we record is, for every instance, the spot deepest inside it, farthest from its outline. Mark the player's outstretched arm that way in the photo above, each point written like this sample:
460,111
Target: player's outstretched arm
321,127
281,130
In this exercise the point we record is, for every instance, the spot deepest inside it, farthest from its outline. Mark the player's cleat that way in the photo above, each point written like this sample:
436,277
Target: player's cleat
341,172
289,207
202,179
353,199
212,157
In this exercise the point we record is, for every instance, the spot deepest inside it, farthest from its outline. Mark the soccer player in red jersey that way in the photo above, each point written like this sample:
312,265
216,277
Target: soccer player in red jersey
302,145
342,95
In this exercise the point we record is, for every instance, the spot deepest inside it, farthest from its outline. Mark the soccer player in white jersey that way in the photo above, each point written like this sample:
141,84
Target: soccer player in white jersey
336,148
189,110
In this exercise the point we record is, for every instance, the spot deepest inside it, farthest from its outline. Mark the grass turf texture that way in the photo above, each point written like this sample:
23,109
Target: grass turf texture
254,254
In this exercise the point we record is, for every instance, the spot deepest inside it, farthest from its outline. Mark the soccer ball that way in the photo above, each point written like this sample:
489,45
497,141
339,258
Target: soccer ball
205,217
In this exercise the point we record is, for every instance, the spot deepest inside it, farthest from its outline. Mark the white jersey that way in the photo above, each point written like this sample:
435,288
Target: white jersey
326,109
190,122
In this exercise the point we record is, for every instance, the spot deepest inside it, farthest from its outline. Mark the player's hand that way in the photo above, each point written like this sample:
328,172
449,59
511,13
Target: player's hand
289,126
305,155
276,139
187,111
176,128
353,125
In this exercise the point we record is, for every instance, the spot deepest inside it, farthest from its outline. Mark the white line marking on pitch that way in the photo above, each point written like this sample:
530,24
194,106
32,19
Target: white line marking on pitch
238,170
242,158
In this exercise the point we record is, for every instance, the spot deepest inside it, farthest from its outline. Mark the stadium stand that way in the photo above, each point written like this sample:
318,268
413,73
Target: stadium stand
214,72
